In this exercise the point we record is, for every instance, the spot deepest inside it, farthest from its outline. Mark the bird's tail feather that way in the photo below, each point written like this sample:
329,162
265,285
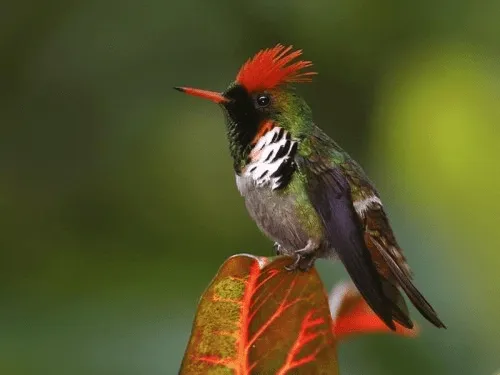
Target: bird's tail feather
403,279
421,303
399,308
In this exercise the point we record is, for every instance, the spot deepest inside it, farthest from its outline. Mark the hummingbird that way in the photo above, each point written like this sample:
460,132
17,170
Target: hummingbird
304,191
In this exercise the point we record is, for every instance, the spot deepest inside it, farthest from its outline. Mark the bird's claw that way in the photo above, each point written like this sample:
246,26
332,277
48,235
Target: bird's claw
277,249
304,258
302,263
294,265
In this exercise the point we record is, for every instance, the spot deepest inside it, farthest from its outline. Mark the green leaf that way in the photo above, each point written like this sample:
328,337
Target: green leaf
258,318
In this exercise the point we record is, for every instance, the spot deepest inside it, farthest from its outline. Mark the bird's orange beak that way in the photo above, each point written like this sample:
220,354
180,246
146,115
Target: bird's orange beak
210,95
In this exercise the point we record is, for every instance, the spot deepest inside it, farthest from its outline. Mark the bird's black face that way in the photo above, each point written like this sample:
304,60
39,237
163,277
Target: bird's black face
242,116
245,114
245,106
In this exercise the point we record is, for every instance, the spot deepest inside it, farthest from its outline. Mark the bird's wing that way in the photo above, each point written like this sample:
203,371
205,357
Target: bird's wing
330,193
357,227
385,252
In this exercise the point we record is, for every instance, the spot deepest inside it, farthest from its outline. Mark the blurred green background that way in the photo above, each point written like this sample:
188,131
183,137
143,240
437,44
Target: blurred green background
117,195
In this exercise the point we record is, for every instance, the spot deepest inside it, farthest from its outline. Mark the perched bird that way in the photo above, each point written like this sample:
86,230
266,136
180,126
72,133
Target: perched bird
304,191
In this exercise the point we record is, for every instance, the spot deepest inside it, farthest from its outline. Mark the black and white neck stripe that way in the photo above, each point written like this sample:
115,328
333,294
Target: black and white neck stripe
271,160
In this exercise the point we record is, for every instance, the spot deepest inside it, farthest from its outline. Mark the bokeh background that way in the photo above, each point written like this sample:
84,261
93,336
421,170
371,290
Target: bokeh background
117,197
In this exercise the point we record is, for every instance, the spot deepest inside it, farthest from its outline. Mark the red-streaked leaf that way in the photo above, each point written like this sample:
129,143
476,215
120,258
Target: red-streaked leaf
258,318
352,315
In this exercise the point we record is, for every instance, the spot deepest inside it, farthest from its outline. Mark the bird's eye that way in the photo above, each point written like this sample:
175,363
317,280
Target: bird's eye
263,100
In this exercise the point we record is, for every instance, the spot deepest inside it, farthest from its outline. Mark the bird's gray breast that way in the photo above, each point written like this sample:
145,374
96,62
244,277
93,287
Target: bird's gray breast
263,184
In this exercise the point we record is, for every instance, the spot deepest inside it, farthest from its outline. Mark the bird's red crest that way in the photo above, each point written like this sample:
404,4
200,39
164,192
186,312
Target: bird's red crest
272,67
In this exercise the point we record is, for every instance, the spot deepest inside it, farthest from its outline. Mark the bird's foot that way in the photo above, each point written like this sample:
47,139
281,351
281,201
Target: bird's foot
304,258
277,249
302,263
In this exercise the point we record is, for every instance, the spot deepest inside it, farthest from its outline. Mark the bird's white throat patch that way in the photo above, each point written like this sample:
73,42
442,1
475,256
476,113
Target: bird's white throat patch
271,159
